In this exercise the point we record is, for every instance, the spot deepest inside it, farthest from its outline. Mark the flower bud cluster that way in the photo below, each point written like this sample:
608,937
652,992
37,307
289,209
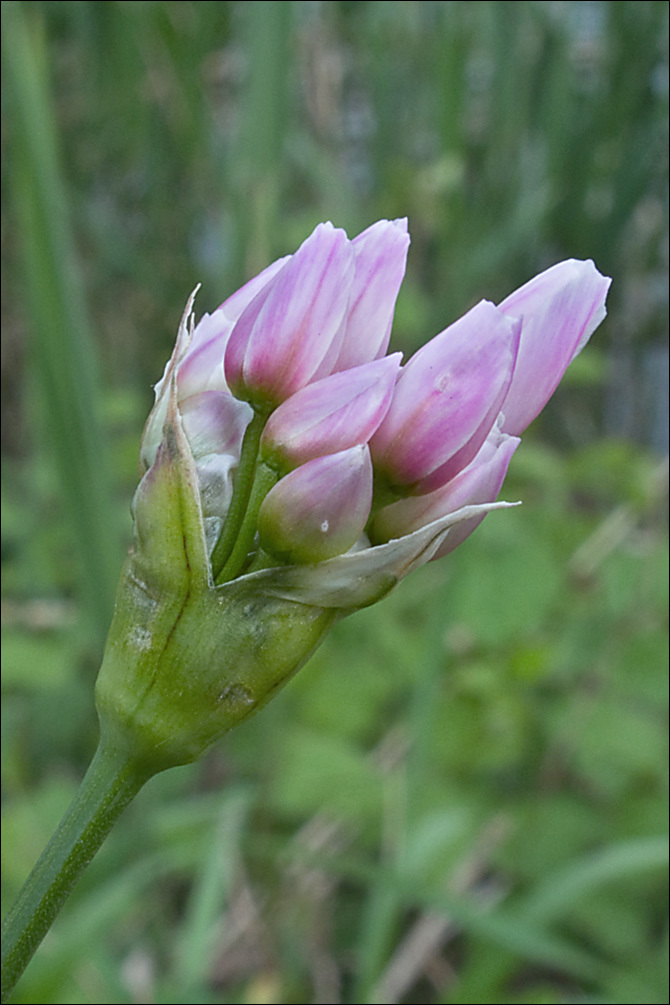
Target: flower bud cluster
309,442
294,472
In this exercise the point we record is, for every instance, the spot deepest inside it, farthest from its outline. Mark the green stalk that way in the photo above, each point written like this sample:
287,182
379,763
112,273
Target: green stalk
265,478
110,783
244,480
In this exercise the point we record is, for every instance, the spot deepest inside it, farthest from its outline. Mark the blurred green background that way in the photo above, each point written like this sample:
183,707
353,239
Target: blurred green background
463,797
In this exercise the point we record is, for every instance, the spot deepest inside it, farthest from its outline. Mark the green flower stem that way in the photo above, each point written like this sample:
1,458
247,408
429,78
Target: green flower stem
244,480
265,478
110,783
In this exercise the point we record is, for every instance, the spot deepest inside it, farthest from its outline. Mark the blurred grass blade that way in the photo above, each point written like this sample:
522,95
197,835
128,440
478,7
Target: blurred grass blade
558,893
257,167
63,352
211,891
500,926
376,937
384,907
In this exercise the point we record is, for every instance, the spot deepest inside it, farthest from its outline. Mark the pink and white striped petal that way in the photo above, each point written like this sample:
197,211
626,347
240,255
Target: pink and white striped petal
560,308
283,335
447,398
381,257
478,483
330,415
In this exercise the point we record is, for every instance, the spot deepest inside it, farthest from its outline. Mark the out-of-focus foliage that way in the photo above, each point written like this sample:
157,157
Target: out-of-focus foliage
462,797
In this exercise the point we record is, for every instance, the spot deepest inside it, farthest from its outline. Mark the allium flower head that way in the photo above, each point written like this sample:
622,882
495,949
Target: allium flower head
294,472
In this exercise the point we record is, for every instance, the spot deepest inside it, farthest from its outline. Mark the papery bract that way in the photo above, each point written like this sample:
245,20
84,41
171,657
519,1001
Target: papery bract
232,415
214,425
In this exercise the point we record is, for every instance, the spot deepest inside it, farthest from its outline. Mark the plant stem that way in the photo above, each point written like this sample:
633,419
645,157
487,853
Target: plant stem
244,479
265,479
110,783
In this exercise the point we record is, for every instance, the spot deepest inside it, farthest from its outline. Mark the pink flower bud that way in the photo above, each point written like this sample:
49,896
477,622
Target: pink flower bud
201,368
446,400
330,415
381,255
302,346
560,310
320,509
282,337
480,482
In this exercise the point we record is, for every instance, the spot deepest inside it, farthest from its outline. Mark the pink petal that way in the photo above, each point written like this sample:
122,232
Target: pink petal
561,308
447,397
202,366
479,483
381,256
330,415
214,422
284,334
